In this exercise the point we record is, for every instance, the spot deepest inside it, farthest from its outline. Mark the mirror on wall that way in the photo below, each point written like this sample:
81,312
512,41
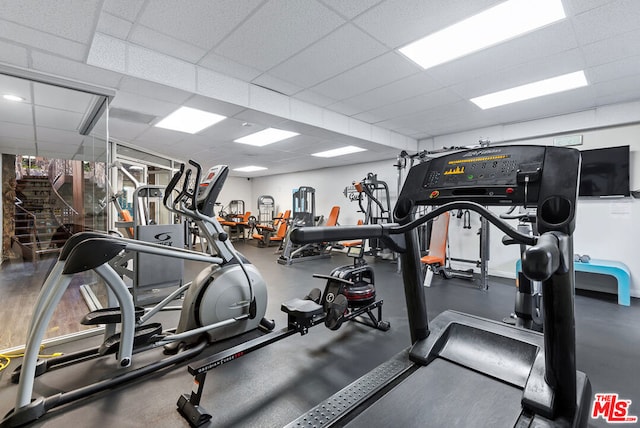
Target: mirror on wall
54,184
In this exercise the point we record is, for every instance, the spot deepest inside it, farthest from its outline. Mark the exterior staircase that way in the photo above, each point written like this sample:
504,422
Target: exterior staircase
36,230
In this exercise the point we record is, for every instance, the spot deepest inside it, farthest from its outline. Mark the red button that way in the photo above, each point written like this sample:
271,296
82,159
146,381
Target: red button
434,194
509,190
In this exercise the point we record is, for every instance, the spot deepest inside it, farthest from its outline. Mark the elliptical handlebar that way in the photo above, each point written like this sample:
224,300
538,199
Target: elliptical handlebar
186,197
172,185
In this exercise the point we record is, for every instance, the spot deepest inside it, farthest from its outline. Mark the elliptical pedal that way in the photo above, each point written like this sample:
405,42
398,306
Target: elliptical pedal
142,334
108,316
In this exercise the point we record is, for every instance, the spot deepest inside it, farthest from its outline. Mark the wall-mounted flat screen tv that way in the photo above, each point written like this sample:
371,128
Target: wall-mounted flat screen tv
605,172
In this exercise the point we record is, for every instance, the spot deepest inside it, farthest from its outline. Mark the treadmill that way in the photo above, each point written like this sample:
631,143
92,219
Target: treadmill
463,370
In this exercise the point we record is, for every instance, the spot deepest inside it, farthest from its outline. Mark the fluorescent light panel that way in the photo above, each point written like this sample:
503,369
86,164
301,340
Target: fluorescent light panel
532,90
266,136
250,168
189,120
10,97
502,22
339,152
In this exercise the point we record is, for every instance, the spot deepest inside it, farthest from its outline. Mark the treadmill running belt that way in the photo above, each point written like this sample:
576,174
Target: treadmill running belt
460,397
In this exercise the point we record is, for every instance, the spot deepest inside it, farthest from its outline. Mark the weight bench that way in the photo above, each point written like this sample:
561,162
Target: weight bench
618,270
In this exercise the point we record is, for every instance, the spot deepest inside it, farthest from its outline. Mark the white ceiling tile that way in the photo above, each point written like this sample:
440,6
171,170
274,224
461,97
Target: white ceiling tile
17,146
397,22
16,112
126,9
265,100
12,54
114,26
314,98
277,31
14,86
62,98
368,117
142,104
59,137
41,40
56,118
258,118
229,67
125,131
407,87
613,18
352,8
223,132
160,68
378,72
305,112
301,128
153,137
168,45
13,129
615,70
613,48
57,18
108,52
341,50
575,7
148,89
202,23
213,105
220,86
273,83
344,108
418,103
617,91
74,70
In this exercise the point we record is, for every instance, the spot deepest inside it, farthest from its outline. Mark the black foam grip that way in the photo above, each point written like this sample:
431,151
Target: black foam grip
543,259
306,235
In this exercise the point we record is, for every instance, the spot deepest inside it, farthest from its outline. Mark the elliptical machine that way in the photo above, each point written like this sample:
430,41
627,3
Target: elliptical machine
226,299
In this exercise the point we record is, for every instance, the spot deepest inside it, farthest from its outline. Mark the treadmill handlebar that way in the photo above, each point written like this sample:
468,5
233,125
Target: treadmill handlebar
385,231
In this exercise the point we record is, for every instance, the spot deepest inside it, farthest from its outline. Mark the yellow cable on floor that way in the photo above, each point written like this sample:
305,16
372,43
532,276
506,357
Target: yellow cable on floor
5,359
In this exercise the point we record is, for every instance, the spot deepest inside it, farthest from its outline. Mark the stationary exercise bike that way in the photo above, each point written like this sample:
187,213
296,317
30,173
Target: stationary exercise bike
226,299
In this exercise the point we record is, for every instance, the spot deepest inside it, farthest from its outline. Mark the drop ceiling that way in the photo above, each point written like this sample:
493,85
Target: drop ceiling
328,69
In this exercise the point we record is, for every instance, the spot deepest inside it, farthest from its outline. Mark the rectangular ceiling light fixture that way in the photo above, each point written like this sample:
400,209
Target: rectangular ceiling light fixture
339,152
495,25
266,136
189,120
250,168
532,90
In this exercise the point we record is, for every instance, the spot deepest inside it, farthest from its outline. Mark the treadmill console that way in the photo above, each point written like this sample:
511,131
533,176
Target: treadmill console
541,176
209,189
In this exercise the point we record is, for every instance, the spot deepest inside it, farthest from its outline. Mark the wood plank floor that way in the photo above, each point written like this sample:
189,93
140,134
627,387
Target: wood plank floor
20,284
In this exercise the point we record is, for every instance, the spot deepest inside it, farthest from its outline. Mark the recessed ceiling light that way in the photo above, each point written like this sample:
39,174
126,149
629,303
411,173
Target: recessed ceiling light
339,152
249,168
497,24
189,120
532,90
10,97
266,136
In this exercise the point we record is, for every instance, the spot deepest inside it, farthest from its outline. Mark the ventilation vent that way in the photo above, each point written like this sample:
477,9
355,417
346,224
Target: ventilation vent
131,116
